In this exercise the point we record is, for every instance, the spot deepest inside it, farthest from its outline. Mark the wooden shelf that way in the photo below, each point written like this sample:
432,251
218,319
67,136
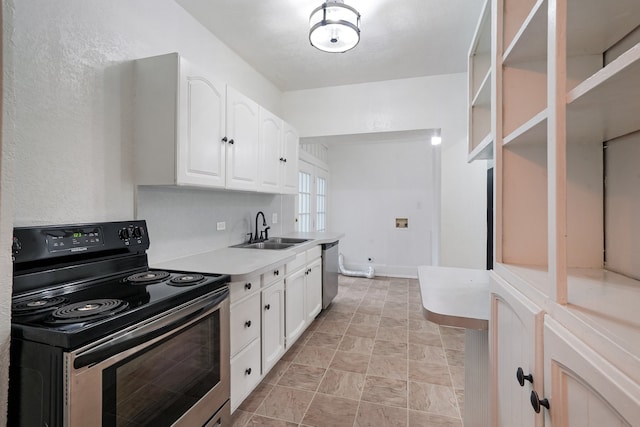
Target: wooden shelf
483,151
480,50
606,105
532,281
530,42
482,97
533,131
593,26
607,303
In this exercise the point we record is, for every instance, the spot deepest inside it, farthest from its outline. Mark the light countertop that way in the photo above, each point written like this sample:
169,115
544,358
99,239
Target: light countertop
240,263
455,296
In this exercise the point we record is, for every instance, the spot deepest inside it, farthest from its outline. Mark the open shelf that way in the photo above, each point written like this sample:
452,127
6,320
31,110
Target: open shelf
606,105
593,26
608,303
530,42
533,131
480,50
483,94
524,81
483,151
531,280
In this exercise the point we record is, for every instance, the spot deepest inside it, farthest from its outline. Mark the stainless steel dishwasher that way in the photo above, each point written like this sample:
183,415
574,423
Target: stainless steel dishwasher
329,272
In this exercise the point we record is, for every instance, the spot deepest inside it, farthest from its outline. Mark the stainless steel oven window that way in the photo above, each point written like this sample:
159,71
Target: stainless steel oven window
157,386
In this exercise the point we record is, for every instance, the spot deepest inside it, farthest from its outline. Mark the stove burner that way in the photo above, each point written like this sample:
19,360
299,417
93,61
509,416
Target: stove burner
186,279
37,305
148,277
88,310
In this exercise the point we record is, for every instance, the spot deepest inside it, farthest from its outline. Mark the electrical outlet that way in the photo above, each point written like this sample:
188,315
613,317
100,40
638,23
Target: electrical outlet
274,218
221,226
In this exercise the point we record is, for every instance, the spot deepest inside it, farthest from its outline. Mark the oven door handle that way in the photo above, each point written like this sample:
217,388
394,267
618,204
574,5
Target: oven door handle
147,332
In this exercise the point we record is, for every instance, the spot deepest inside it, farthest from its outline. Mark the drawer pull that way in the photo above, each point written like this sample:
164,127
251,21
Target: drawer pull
247,286
247,371
247,323
537,403
522,377
267,307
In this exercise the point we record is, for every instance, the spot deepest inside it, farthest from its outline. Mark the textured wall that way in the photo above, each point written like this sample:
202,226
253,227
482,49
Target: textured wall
67,137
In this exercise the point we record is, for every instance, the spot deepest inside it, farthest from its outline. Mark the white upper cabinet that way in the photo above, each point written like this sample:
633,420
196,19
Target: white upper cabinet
179,124
243,132
278,155
290,155
193,130
270,151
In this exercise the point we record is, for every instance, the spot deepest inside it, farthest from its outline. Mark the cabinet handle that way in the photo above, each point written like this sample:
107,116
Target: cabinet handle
231,141
247,324
247,286
224,139
537,403
247,371
267,307
521,377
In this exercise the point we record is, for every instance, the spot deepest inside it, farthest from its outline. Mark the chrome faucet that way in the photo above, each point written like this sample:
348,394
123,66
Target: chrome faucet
264,234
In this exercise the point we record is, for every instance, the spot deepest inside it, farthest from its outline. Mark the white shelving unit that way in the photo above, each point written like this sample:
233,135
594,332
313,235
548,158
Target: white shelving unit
480,84
567,139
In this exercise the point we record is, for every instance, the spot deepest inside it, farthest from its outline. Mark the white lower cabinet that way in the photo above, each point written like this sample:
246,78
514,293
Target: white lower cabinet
584,390
515,335
272,325
565,382
296,317
313,289
245,373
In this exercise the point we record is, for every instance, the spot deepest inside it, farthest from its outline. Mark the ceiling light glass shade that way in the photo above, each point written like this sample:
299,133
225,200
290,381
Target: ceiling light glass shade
334,27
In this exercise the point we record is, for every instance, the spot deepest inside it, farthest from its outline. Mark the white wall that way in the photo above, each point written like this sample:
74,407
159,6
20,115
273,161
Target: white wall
372,184
404,105
67,136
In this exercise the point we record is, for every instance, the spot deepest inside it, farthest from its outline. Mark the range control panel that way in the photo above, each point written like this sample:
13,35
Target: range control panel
37,243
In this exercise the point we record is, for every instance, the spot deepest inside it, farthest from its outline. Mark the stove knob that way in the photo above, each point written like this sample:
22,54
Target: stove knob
124,234
137,232
16,245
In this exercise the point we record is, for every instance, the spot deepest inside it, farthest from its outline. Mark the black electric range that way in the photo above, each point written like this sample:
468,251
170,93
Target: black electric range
76,283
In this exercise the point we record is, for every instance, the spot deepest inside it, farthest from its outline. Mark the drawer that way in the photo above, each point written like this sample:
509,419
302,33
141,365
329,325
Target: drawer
245,373
296,264
244,324
272,275
314,253
239,290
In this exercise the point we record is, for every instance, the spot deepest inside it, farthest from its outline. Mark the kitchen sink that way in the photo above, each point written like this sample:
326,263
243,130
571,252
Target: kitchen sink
276,243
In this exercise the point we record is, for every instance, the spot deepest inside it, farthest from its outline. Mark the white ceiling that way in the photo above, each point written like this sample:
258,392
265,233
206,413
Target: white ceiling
399,39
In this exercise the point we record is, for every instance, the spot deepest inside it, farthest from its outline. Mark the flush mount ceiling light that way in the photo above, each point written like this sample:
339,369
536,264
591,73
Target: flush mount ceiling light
334,27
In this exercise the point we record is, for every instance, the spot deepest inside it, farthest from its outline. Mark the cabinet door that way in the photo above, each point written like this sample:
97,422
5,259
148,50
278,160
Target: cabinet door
201,127
271,160
586,390
272,325
290,152
244,323
515,335
296,315
313,291
242,141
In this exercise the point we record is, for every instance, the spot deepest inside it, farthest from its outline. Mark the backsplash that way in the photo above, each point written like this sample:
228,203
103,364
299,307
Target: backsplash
182,221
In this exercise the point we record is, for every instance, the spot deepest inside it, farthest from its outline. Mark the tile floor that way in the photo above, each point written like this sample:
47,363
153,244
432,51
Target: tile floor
371,359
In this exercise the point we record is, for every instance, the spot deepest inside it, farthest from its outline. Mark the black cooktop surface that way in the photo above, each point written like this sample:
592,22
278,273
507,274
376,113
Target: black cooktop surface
71,315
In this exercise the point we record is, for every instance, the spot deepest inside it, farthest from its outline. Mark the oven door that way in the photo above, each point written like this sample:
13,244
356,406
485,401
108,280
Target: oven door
172,370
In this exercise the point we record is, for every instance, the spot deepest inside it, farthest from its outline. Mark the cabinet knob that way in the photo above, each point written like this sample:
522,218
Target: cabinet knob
224,139
247,324
231,141
247,371
282,159
247,286
537,403
521,377
276,272
267,307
